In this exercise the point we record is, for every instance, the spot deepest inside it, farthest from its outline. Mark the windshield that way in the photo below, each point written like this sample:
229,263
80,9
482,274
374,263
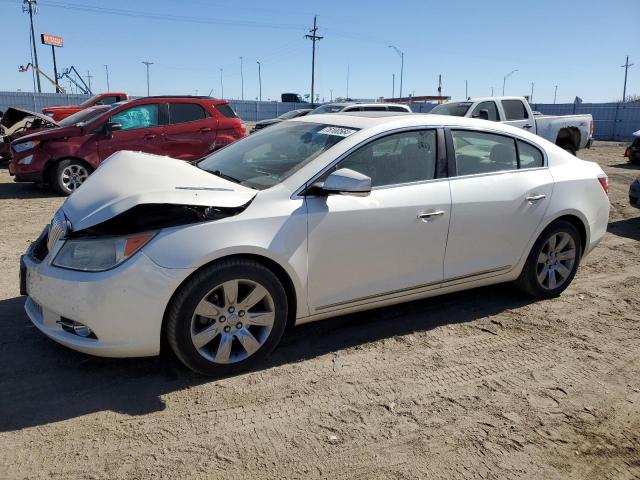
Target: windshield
268,157
83,116
327,109
288,115
89,101
456,109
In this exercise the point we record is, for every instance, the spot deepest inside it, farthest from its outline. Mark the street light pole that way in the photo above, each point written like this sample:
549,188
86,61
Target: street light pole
531,97
504,80
555,94
221,86
147,64
393,85
259,82
401,53
241,81
106,69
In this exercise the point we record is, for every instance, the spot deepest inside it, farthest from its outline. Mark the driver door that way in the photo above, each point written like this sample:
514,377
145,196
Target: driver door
388,242
142,131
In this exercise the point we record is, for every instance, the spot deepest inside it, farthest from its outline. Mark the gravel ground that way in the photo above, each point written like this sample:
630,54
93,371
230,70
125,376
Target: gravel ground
480,384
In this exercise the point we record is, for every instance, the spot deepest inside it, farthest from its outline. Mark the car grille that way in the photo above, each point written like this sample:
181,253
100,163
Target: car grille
57,229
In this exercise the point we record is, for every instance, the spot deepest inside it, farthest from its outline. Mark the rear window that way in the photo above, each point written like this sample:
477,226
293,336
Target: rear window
455,109
397,109
185,112
226,110
514,110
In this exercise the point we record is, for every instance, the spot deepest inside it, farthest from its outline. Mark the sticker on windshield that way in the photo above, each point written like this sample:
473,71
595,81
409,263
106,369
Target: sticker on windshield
338,131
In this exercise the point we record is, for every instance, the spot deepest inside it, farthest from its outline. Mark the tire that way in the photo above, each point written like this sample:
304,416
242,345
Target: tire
227,337
541,280
68,174
569,147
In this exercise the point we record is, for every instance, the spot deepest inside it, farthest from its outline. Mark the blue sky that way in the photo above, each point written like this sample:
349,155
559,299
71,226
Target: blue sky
578,45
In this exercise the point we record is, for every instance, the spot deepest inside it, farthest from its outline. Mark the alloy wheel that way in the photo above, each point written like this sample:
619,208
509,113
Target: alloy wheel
232,321
73,176
556,260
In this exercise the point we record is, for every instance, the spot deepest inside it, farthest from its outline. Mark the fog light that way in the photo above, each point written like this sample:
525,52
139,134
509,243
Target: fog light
77,328
26,160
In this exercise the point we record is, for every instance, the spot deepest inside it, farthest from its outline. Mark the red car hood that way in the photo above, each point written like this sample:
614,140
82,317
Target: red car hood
52,133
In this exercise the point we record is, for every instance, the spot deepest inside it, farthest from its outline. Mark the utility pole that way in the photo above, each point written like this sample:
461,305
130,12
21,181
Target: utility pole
314,38
89,77
466,90
331,92
531,97
31,7
347,80
147,64
393,85
504,80
555,94
401,53
241,81
221,86
440,85
259,82
626,69
106,69
492,91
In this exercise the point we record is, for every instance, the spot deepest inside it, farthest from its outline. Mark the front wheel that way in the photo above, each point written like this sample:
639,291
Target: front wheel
553,261
68,175
227,317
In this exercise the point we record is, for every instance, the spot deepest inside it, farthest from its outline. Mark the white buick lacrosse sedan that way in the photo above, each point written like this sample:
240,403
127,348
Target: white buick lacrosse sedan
309,219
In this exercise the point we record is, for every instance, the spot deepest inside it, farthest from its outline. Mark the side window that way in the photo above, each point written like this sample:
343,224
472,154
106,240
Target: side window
141,116
491,109
479,152
530,156
352,109
374,109
109,100
186,112
394,108
514,110
398,158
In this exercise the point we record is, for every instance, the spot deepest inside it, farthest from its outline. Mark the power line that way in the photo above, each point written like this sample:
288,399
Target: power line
314,38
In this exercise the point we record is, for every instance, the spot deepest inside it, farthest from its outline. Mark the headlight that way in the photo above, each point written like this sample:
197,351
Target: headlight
24,146
99,254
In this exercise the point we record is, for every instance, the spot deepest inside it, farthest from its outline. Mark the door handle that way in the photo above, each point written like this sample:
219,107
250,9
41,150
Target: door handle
426,216
205,129
536,198
150,136
527,126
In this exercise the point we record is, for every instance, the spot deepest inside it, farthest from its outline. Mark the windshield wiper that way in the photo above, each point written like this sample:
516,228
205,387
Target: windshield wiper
218,173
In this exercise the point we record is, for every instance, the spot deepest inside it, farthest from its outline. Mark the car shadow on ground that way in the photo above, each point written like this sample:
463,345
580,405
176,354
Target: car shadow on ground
24,190
629,228
42,382
627,165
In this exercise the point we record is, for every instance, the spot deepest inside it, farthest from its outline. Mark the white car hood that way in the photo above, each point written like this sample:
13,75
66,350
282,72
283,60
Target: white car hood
127,179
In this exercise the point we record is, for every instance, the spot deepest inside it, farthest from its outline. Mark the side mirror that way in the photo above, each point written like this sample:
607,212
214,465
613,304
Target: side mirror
111,127
482,114
343,182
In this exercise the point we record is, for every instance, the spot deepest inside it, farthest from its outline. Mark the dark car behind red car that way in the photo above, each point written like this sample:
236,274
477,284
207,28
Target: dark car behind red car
186,128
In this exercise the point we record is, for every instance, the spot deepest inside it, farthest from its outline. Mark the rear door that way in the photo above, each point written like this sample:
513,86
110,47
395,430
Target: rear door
141,131
516,113
499,196
191,131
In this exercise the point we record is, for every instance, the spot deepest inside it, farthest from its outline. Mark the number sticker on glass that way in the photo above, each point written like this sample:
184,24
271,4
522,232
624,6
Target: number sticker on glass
340,132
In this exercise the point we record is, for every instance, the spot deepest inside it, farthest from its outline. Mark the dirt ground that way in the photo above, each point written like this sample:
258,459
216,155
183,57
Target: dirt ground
480,384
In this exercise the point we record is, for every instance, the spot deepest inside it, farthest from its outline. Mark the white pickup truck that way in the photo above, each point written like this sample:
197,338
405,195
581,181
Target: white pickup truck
571,132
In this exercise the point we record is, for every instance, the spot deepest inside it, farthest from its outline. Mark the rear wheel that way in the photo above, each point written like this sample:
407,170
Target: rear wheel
568,146
553,261
68,175
227,317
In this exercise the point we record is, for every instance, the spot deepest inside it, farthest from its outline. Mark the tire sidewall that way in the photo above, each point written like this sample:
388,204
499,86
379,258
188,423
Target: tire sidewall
180,335
532,280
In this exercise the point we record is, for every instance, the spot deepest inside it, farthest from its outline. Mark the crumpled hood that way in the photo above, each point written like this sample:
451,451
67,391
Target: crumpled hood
127,179
14,115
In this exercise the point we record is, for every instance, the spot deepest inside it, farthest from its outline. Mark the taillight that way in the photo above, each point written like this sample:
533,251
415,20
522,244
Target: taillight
604,183
591,128
627,152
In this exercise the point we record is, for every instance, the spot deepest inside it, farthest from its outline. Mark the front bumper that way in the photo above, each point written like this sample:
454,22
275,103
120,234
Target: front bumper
124,307
634,194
